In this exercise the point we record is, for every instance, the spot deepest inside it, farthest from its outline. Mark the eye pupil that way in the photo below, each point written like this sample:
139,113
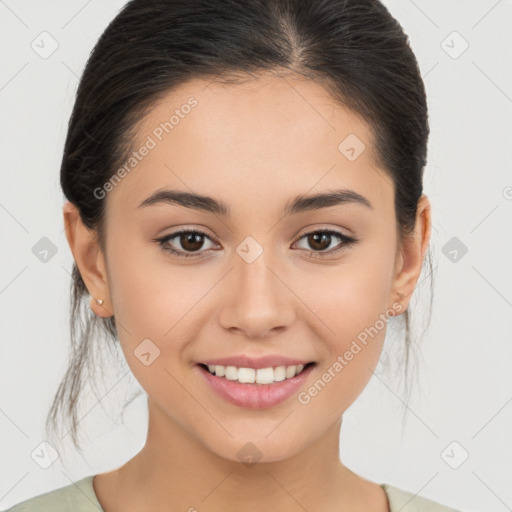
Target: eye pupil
315,238
191,241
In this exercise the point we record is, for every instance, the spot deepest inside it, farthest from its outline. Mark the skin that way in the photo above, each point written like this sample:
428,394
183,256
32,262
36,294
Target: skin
254,146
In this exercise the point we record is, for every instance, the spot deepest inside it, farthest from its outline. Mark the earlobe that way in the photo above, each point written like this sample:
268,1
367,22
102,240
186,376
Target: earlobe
88,258
412,254
97,305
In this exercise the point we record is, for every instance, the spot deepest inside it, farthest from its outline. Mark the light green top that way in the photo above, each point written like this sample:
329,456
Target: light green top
80,497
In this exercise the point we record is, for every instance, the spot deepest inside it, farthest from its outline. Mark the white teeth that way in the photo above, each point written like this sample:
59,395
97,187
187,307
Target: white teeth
247,375
258,376
231,373
279,373
290,371
264,375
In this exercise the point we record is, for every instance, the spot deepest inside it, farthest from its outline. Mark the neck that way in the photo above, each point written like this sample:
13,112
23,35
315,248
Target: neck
175,471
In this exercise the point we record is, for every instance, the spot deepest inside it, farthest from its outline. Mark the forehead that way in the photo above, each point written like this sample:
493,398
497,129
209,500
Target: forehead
263,139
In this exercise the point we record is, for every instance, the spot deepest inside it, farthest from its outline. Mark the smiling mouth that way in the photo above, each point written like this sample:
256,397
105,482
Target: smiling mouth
258,377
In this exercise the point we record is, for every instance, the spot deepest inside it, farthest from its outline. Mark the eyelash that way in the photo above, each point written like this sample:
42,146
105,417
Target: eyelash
346,242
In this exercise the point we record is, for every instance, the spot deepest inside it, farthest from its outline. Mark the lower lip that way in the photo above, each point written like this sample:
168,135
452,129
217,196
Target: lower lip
255,396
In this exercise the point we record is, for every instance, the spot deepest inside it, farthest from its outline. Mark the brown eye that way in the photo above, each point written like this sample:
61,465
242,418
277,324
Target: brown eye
186,241
191,241
321,240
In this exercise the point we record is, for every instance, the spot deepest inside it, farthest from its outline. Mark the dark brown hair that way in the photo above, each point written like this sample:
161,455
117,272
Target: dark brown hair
354,48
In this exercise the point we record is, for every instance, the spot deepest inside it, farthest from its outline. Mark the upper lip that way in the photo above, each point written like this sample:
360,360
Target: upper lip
255,362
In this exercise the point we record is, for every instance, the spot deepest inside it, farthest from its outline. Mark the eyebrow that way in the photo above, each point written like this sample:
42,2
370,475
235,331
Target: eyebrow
299,204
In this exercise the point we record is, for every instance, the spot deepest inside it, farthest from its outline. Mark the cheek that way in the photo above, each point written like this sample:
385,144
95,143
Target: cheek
155,300
157,308
351,302
351,296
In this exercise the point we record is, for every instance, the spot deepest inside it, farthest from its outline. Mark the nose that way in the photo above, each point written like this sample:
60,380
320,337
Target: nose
258,299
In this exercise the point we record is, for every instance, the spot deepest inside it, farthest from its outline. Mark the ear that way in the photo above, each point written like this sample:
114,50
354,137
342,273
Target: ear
89,259
411,255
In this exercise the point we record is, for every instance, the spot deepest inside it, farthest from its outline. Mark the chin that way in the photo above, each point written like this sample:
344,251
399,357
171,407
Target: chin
250,450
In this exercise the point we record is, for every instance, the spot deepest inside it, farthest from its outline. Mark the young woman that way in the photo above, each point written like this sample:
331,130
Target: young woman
244,205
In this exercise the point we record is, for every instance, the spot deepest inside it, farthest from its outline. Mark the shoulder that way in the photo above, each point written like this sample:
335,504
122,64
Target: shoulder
78,496
406,501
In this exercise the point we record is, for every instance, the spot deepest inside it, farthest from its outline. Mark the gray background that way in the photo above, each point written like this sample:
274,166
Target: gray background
463,403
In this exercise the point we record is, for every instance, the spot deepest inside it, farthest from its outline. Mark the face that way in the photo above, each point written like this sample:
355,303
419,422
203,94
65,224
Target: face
312,283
